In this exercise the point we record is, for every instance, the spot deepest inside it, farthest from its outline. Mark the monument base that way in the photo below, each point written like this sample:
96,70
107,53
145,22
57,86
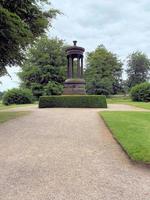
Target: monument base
74,87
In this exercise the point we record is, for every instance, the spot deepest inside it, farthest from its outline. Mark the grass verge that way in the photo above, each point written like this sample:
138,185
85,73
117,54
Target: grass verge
5,116
128,101
132,131
3,107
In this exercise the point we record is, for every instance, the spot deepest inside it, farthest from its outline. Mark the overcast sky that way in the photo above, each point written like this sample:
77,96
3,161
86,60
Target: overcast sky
122,26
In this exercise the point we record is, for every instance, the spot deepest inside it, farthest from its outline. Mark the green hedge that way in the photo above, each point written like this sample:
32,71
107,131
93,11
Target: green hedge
73,101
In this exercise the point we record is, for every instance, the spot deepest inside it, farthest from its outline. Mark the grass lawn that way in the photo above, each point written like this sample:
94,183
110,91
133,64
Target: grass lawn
128,101
5,116
132,131
3,107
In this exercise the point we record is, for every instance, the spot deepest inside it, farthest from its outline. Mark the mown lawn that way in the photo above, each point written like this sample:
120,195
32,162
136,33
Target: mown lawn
5,116
3,107
128,101
132,131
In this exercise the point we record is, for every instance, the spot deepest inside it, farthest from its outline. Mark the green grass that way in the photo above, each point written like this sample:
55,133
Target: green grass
118,100
128,101
3,107
5,116
132,131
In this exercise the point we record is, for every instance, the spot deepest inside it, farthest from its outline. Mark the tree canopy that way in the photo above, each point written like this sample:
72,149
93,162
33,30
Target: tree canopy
138,68
21,22
45,66
104,72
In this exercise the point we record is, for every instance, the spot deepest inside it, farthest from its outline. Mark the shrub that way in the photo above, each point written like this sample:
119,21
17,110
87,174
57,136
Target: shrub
17,96
53,88
73,101
37,90
141,92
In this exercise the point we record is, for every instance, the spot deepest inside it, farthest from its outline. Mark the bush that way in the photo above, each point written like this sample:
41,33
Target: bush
37,90
17,96
141,92
53,88
73,101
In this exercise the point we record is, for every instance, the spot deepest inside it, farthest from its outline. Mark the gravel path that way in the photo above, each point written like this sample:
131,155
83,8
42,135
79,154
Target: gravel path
111,107
66,154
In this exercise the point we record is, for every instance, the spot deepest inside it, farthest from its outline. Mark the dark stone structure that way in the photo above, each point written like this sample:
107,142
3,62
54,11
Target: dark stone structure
75,84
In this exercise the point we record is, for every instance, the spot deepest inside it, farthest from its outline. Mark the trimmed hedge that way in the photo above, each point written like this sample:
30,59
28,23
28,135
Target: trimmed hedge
73,101
141,92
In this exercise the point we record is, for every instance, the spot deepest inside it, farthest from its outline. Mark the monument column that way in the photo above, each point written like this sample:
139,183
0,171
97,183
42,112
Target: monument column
70,67
82,67
75,84
78,67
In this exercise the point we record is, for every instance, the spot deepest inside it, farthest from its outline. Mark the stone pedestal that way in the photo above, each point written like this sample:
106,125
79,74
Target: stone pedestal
74,87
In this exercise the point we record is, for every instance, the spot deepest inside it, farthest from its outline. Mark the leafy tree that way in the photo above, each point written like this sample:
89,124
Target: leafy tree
103,73
21,22
1,94
53,88
138,68
46,62
37,90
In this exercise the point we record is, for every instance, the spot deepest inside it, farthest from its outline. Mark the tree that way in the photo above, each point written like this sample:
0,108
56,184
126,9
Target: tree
138,68
21,22
103,73
45,63
1,94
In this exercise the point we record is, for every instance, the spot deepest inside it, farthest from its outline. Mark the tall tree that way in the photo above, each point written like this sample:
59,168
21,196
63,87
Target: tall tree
138,68
1,94
21,22
104,72
45,64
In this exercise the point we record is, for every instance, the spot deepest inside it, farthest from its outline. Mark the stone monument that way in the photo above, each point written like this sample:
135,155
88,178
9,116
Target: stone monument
75,84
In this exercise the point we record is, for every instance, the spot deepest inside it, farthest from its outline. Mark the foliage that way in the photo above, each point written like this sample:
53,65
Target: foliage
17,96
53,89
5,116
141,92
1,94
21,22
138,68
103,73
131,130
37,90
46,63
73,101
